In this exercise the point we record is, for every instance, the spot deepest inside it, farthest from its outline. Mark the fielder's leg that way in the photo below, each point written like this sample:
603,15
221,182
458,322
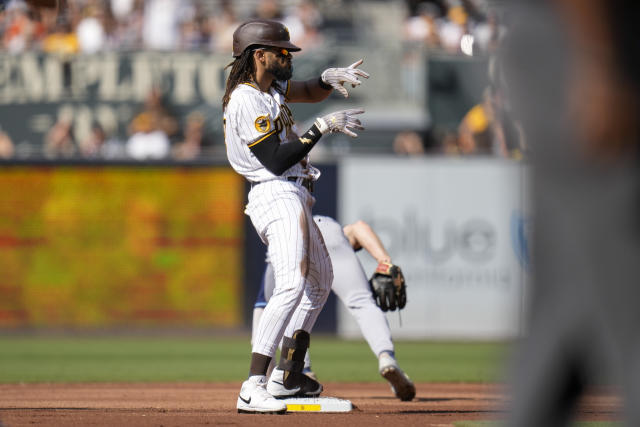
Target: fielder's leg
351,286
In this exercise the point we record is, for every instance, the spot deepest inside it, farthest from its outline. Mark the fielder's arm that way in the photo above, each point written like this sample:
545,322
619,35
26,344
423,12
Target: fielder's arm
361,235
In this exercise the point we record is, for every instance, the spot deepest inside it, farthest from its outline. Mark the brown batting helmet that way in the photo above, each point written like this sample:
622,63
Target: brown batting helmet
261,32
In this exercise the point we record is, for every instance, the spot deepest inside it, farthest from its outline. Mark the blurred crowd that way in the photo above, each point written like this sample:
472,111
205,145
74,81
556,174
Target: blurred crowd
469,27
90,26
454,27
487,129
154,133
472,28
95,26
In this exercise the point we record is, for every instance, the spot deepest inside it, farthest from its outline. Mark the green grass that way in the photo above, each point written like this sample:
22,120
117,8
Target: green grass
215,358
423,361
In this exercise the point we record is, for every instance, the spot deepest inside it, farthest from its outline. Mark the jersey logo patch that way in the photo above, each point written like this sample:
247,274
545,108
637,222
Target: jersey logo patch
263,124
306,140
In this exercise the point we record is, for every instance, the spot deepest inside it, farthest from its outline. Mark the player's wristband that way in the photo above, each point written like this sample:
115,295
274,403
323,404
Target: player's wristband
312,135
323,84
384,268
321,125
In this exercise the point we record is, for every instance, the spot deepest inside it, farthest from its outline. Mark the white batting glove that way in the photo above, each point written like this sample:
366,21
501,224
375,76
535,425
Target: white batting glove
340,121
336,77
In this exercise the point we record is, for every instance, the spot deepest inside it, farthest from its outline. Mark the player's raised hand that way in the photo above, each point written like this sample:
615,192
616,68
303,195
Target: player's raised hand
337,77
340,121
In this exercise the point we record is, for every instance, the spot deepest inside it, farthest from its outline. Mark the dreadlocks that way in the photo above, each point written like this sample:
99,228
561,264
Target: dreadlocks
243,69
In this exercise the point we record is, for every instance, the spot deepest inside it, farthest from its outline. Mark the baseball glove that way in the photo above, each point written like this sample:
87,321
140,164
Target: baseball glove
388,287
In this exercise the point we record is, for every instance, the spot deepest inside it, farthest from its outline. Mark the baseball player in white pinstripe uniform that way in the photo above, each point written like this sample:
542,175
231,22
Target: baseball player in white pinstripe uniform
351,286
263,145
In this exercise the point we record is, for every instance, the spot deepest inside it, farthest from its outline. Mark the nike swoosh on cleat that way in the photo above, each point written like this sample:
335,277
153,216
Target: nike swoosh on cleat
248,402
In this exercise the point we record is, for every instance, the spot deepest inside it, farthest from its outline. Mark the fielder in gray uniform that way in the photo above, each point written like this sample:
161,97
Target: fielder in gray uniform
351,285
264,146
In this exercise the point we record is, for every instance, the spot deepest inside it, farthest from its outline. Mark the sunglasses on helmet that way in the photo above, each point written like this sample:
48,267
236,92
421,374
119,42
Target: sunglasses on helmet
282,53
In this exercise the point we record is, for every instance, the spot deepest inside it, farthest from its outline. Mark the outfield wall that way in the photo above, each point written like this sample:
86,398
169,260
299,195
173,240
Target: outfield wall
113,246
101,245
459,230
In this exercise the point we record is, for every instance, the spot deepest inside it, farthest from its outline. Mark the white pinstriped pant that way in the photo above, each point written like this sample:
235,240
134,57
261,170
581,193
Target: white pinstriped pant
281,214
350,284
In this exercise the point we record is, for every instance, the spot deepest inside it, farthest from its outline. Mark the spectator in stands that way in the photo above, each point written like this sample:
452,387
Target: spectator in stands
91,32
129,18
487,34
191,146
475,132
408,143
147,140
113,149
269,9
59,141
89,147
454,27
487,128
423,28
97,145
304,23
160,26
449,144
194,31
223,25
151,129
20,32
162,118
195,140
122,8
63,40
413,6
6,146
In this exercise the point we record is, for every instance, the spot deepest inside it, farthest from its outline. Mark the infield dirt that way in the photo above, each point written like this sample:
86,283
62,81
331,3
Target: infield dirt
194,404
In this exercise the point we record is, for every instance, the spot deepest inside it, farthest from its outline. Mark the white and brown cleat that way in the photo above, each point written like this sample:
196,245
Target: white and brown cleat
401,384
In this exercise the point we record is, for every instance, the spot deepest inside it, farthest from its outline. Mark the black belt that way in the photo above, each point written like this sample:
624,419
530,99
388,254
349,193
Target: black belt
305,182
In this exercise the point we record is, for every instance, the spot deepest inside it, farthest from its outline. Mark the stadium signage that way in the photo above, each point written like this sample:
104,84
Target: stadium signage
114,77
473,240
452,235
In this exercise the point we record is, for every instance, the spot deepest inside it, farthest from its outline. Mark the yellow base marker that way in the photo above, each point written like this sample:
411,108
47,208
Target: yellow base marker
317,404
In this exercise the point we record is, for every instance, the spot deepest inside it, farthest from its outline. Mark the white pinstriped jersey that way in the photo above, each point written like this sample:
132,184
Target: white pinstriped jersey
250,117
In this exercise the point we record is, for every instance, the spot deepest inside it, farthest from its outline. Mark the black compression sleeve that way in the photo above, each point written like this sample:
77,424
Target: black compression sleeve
277,157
